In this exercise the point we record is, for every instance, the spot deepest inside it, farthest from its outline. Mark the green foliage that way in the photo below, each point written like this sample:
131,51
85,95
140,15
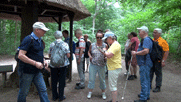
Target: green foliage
164,14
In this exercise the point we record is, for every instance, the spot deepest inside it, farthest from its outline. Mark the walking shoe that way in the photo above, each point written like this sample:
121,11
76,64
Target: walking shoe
135,76
140,100
157,89
147,98
126,73
79,87
64,97
77,84
103,96
131,77
89,95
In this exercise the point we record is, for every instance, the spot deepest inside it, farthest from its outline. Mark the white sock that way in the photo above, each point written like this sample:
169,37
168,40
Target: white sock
90,92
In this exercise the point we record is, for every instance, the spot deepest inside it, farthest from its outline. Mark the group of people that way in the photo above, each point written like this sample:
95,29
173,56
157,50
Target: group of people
104,54
140,53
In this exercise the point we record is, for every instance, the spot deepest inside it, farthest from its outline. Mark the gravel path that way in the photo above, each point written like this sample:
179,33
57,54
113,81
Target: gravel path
170,91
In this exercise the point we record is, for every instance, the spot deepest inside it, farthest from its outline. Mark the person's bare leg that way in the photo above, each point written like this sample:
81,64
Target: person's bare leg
114,96
135,70
87,67
131,70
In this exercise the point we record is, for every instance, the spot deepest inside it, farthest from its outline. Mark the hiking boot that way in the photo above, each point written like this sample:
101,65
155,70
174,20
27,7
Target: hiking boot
147,98
157,89
131,77
89,95
79,87
140,100
135,76
103,96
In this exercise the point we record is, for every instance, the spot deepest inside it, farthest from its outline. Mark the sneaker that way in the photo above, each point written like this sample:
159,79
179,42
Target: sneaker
103,96
79,87
89,95
126,73
135,76
147,98
131,77
157,89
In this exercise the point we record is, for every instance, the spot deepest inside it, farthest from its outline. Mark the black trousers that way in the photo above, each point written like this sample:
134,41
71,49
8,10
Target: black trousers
157,69
58,75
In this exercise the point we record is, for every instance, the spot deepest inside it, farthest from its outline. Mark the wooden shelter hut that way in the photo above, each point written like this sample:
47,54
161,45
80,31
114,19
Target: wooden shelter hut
30,11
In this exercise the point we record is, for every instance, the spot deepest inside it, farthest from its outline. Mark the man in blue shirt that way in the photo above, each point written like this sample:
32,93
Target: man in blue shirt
31,62
67,40
145,63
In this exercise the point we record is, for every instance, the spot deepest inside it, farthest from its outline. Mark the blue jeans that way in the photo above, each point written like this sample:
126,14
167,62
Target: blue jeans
25,83
93,70
145,82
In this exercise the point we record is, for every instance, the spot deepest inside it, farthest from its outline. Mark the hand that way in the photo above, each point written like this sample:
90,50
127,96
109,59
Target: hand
45,64
39,65
163,64
104,49
78,62
133,53
90,58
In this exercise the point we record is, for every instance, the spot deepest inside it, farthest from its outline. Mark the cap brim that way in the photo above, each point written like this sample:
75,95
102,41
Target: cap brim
139,28
45,29
104,38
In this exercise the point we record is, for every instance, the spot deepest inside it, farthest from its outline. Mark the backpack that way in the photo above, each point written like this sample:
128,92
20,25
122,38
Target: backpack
57,55
17,50
157,51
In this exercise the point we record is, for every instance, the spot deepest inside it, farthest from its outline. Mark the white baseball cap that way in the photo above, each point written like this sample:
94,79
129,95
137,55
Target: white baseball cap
108,34
40,25
144,28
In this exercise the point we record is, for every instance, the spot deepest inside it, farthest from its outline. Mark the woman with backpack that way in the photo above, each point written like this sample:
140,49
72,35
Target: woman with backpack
59,53
97,65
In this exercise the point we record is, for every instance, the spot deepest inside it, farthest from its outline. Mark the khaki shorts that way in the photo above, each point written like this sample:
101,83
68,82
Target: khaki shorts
113,78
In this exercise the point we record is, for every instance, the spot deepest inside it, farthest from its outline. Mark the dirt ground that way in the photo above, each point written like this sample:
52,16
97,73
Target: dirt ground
170,91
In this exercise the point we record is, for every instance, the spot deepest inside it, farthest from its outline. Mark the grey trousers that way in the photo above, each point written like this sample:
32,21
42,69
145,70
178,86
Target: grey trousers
80,68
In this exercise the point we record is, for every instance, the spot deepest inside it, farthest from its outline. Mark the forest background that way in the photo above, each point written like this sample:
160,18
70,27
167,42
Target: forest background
120,16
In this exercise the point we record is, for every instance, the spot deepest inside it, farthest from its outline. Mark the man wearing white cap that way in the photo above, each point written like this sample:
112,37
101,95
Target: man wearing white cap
113,55
145,63
31,62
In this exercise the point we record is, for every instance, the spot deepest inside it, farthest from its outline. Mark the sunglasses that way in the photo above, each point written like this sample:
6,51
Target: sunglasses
98,37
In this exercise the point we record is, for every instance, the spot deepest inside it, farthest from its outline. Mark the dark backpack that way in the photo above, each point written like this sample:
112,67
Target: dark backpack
57,55
157,51
17,51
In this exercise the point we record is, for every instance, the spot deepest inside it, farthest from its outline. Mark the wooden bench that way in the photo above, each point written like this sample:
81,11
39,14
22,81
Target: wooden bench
4,69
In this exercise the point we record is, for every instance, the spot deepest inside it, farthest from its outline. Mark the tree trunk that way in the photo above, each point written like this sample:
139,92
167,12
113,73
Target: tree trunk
93,25
15,38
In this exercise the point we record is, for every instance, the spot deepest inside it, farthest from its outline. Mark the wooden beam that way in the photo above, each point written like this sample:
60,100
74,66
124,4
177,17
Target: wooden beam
55,19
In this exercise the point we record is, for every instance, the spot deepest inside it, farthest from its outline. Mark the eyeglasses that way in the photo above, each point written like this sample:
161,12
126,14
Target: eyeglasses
98,37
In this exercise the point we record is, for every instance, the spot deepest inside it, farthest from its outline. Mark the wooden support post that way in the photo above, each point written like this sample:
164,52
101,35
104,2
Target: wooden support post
60,22
28,17
71,17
